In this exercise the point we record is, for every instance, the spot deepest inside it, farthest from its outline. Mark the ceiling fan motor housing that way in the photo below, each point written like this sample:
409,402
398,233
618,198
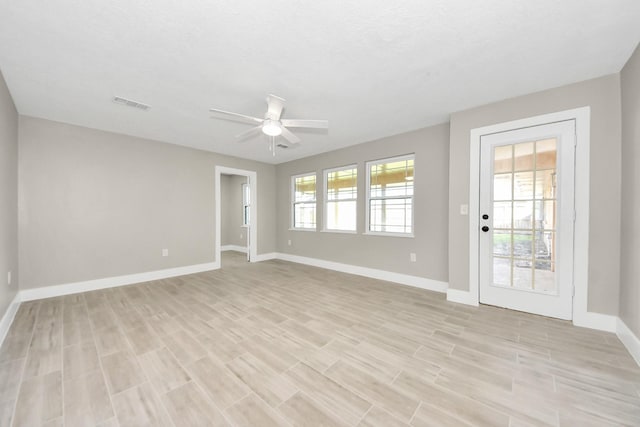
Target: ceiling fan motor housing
272,127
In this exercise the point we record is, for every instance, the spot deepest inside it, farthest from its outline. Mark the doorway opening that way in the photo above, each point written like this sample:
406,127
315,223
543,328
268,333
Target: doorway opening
236,216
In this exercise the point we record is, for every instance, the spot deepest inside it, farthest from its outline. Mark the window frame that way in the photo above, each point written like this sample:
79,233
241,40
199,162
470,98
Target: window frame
325,177
368,198
292,195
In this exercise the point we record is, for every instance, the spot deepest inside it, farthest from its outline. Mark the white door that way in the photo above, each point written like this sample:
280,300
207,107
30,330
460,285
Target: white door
526,219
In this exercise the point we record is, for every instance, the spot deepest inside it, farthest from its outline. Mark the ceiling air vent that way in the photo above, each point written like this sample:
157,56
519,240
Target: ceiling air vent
131,103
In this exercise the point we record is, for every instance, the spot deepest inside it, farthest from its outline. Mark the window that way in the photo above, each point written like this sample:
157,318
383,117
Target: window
390,195
246,204
341,188
304,201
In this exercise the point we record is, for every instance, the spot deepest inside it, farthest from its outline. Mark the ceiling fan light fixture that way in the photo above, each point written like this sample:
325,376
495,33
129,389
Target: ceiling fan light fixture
272,128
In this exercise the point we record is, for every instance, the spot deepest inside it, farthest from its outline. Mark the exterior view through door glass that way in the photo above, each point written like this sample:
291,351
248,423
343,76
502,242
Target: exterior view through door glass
526,219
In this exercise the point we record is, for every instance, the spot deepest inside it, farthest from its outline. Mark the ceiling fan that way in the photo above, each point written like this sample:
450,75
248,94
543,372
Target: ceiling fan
272,125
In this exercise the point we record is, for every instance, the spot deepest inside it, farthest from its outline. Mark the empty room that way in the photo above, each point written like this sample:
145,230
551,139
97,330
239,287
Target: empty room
335,213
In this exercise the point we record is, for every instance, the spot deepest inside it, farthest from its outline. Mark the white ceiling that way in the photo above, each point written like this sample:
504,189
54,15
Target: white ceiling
372,68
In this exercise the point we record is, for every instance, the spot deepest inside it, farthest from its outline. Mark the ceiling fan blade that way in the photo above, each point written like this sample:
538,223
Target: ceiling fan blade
236,116
316,124
248,133
275,104
289,136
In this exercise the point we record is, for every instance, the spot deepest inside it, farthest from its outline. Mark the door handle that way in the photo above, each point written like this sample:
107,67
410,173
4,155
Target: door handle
485,228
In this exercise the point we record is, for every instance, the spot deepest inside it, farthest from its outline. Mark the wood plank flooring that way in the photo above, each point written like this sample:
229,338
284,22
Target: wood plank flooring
282,344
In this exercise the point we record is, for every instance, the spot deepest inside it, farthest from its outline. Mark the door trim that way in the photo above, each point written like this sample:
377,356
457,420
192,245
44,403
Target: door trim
253,209
582,117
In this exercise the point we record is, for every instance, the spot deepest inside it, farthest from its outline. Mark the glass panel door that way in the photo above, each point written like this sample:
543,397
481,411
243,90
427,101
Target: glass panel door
526,219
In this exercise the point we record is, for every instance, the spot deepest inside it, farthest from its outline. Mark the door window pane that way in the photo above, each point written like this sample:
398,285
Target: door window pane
545,246
523,186
522,244
502,214
546,154
522,274
544,277
545,184
503,159
523,215
502,271
523,156
502,186
502,243
547,216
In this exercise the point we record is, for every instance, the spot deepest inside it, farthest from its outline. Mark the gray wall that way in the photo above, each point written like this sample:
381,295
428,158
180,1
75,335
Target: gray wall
431,148
630,224
8,197
232,233
96,204
603,95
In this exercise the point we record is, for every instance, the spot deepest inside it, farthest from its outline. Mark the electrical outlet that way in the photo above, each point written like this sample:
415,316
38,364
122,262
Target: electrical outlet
289,242
165,252
464,209
8,278
412,257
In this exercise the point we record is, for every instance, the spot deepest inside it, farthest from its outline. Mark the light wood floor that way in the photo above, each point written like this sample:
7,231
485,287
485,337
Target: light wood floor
281,344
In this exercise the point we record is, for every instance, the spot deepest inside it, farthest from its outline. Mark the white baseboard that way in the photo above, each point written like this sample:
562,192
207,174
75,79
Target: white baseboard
9,315
111,282
236,248
591,320
461,297
265,257
403,279
629,339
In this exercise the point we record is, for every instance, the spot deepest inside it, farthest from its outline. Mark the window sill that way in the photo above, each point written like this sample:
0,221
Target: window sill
339,231
303,229
381,233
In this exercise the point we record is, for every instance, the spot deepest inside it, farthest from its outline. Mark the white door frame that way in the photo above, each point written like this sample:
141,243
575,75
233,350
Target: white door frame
253,210
582,117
